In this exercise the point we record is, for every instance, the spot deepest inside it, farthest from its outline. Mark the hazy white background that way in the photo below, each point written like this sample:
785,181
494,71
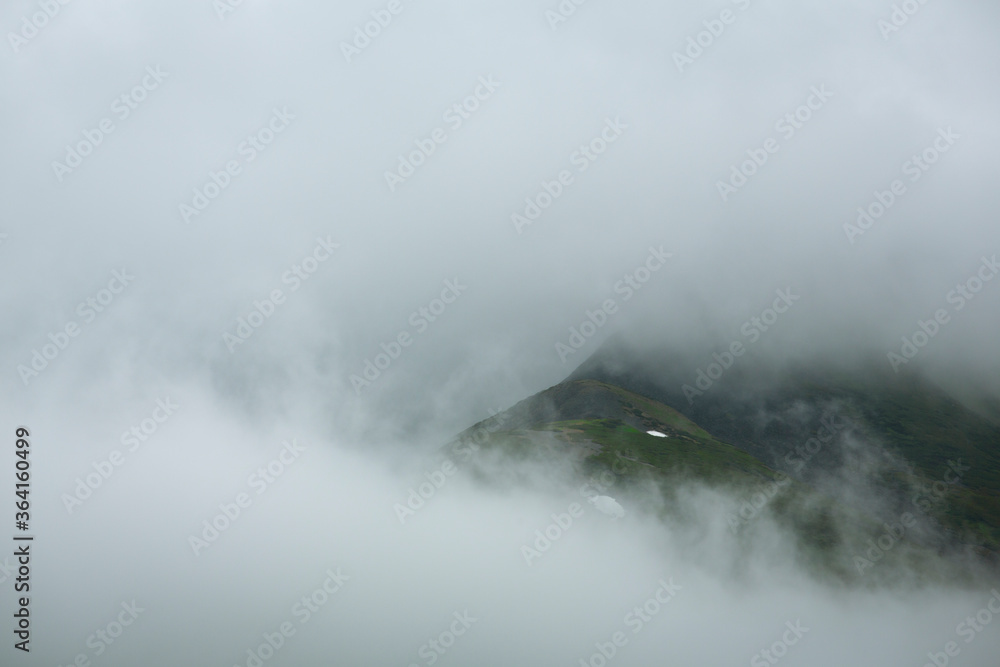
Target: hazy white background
324,175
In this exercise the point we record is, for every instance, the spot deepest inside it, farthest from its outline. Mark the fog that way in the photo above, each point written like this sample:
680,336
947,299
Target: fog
241,208
467,548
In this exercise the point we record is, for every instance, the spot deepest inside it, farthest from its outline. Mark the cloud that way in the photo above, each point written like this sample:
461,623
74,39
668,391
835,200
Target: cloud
124,119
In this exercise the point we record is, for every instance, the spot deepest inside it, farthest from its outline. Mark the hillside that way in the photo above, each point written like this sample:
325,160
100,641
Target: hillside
901,432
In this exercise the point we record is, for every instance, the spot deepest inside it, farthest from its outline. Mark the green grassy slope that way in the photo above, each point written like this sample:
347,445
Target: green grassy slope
607,425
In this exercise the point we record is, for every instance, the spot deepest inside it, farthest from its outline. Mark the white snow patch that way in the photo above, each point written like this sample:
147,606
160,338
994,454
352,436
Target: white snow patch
608,505
657,434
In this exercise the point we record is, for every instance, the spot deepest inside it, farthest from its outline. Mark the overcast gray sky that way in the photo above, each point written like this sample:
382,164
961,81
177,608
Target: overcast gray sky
680,133
176,163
